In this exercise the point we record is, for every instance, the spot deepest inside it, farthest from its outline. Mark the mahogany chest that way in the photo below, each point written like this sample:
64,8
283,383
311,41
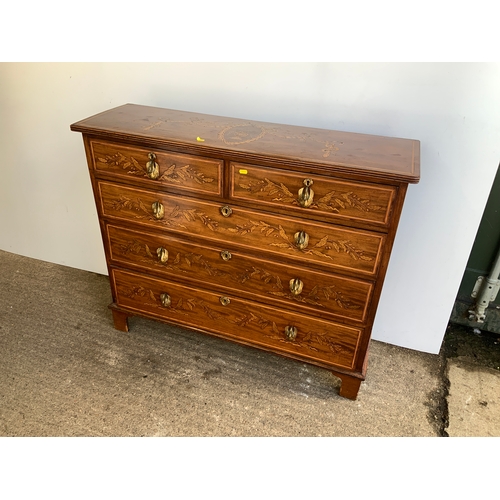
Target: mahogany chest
273,236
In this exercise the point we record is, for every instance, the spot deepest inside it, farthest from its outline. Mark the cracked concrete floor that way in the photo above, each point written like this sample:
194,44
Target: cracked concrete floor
473,373
67,372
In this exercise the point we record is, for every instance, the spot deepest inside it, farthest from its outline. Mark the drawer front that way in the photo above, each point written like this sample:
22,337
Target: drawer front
239,319
222,266
338,248
176,170
313,195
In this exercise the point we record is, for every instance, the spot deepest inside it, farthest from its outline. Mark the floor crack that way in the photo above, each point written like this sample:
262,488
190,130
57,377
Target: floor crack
437,403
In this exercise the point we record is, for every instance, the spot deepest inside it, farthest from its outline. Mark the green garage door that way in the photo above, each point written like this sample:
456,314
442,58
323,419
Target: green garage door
481,260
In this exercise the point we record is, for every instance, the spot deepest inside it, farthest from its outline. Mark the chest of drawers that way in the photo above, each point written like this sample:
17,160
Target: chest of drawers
272,236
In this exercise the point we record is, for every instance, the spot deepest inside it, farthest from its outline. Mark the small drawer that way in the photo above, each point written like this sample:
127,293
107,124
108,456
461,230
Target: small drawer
185,172
222,266
305,242
238,319
310,195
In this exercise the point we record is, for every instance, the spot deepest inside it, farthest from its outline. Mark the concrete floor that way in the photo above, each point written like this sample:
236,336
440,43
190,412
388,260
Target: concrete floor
67,372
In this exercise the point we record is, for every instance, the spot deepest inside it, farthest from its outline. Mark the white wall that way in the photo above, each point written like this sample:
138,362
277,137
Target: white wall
47,209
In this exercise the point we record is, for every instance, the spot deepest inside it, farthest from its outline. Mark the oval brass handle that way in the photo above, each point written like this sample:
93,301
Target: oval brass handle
152,168
301,240
291,332
306,194
158,210
296,286
162,254
225,301
226,255
226,210
165,299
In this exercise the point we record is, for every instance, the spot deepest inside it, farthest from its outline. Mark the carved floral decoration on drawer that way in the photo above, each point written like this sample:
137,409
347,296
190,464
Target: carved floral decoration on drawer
173,174
176,218
325,244
268,328
331,202
189,262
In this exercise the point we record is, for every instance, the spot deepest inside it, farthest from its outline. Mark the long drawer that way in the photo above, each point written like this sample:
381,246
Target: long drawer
338,248
232,317
184,172
222,266
313,195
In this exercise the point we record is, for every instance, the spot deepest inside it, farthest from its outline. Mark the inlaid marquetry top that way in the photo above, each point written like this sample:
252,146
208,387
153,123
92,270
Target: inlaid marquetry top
330,151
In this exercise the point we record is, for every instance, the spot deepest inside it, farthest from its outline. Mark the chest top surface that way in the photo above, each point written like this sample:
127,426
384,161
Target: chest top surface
387,158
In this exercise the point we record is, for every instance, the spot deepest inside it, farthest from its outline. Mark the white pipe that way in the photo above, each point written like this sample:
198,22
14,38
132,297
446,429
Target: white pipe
487,293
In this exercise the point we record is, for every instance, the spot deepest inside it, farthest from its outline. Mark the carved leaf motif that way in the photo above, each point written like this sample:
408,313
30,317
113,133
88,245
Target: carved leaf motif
189,215
267,278
286,190
326,208
281,245
279,192
278,283
332,201
322,242
170,170
209,311
365,257
137,165
179,174
255,272
142,206
131,165
283,233
175,212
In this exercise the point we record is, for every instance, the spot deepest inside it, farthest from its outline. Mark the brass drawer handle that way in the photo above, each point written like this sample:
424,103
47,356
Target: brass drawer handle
301,240
226,255
226,210
152,168
162,254
225,301
158,210
306,194
291,332
165,299
296,286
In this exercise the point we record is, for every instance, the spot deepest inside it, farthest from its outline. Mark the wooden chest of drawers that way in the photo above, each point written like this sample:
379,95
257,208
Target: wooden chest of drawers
273,236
